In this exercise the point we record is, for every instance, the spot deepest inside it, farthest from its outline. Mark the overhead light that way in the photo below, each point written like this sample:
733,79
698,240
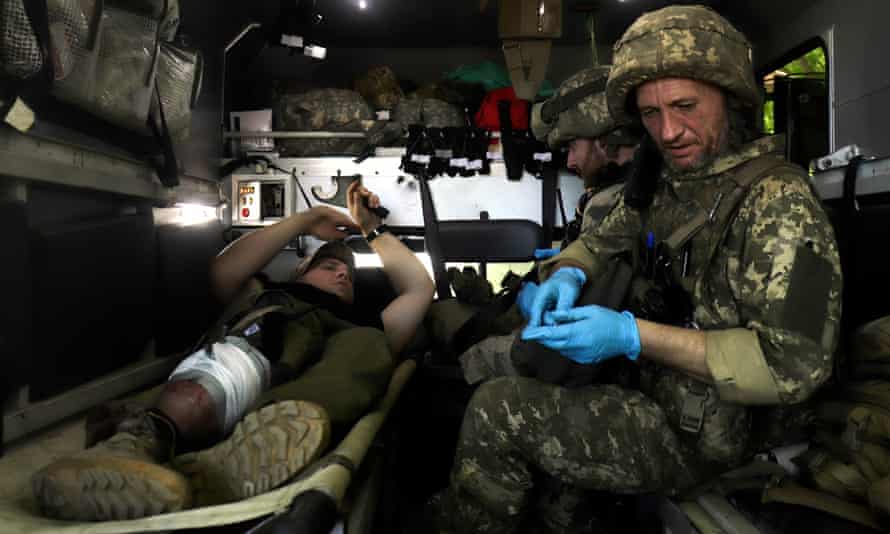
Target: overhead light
541,9
315,51
183,214
362,4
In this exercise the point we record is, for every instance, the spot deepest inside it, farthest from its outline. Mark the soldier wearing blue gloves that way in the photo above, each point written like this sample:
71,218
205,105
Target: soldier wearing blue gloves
733,314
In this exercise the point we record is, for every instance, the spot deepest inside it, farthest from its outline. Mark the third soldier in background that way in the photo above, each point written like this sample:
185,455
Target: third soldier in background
599,147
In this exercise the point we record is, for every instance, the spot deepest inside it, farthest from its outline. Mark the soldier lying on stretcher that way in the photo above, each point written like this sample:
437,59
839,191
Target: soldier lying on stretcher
332,361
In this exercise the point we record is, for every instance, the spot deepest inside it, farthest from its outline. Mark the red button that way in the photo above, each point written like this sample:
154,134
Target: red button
245,213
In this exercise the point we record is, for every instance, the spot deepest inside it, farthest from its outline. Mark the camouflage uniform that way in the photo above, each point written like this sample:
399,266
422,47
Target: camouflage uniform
768,299
579,109
557,121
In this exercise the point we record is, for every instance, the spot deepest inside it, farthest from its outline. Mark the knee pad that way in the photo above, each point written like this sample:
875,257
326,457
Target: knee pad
233,372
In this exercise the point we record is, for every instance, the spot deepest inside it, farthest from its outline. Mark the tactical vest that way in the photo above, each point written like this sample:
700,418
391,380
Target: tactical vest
283,328
716,431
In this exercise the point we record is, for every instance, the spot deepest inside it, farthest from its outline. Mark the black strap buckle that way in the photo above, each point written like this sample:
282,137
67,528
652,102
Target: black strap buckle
692,414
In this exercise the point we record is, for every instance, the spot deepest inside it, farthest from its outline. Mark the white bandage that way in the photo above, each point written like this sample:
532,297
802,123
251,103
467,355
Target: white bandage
234,373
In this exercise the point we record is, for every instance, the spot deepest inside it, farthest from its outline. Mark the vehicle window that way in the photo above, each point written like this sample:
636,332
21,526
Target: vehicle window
796,102
495,272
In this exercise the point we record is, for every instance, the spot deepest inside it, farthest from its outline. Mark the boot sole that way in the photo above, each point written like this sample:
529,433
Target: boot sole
110,489
267,447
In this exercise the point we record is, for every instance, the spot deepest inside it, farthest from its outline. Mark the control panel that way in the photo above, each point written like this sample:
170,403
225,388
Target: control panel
261,199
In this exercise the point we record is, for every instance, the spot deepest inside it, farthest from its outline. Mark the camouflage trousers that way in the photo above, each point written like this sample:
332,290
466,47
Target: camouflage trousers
517,429
490,358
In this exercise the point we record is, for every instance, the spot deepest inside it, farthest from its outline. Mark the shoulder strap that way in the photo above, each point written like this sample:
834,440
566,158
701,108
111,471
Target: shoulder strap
729,198
229,322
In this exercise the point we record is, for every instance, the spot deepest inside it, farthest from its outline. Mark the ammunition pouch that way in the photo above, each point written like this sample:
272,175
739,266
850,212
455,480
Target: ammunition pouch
419,153
657,295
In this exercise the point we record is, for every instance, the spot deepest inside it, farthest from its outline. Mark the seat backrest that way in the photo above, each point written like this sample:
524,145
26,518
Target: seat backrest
505,240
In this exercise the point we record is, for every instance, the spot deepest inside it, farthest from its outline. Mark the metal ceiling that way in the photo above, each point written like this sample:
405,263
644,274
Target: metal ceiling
451,23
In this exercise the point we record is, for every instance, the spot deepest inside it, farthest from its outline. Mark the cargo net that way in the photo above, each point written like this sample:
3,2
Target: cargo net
69,30
20,55
178,75
124,71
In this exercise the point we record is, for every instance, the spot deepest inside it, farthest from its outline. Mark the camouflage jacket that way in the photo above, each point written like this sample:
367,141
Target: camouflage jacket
599,205
768,299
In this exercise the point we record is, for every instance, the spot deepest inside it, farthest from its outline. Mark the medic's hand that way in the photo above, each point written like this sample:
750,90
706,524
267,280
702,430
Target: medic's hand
526,297
356,196
590,334
545,253
326,223
559,292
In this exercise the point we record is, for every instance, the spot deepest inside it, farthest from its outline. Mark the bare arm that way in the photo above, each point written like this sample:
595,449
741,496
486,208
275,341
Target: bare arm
407,275
238,262
679,348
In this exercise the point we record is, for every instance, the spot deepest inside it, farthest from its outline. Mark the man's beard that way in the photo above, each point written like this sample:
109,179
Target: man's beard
707,157
608,174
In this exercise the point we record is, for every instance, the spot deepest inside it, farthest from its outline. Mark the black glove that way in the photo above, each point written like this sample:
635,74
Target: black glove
534,360
469,287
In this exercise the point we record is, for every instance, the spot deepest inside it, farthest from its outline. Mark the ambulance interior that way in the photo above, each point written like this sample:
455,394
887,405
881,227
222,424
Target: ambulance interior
106,273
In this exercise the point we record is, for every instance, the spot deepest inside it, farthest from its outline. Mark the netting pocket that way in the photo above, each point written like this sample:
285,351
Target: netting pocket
20,54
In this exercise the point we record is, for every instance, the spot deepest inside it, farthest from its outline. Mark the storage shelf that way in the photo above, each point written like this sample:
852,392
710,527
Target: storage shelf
33,158
309,135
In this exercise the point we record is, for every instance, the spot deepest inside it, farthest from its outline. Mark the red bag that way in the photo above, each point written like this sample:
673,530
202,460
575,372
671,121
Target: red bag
488,117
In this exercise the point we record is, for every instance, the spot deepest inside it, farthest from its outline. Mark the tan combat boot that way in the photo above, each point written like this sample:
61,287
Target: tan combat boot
267,448
116,479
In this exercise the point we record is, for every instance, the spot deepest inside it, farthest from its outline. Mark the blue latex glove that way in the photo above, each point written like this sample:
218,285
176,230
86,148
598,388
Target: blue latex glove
559,292
590,334
545,253
525,298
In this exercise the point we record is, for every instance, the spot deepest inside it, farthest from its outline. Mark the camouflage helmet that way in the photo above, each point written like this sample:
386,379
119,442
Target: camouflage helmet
577,109
686,42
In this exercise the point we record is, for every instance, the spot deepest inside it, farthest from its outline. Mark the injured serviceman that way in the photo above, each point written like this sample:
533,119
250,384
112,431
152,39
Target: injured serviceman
303,355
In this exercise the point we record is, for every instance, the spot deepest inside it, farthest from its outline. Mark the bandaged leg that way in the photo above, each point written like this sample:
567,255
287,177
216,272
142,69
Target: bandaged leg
221,384
207,395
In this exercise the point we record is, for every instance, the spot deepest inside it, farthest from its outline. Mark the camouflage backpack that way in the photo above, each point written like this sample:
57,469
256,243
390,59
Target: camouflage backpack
429,112
325,110
380,87
852,459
